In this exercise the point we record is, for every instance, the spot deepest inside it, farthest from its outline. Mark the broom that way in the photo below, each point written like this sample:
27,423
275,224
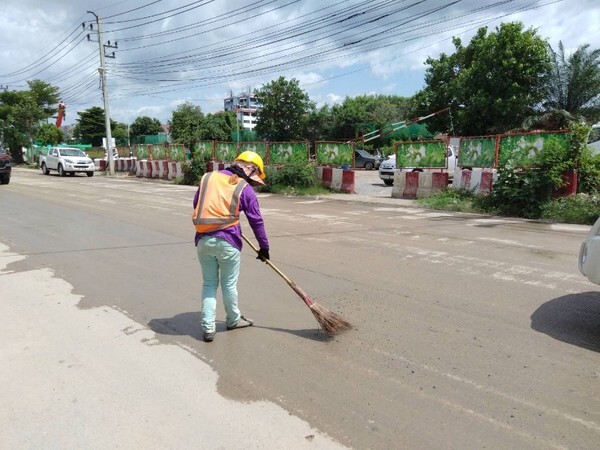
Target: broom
329,321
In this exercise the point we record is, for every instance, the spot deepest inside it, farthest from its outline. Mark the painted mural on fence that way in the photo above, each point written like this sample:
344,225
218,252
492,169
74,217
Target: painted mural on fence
141,151
421,154
226,151
334,153
283,152
256,147
176,152
524,148
204,148
477,152
158,152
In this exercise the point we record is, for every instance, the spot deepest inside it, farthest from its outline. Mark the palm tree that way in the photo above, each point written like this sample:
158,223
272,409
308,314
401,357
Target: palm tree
574,83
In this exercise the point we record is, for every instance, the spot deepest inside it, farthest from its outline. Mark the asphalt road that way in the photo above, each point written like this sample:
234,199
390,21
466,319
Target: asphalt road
469,331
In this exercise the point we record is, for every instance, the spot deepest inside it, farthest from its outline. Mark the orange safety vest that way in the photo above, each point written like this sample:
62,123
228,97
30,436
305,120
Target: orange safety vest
218,204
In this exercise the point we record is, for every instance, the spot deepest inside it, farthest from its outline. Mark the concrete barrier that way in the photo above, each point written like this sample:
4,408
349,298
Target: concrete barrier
348,181
418,184
144,169
327,175
214,166
479,181
336,179
175,170
100,164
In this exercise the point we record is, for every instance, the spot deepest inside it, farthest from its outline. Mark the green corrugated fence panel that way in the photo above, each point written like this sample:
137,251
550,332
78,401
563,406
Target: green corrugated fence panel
477,152
283,152
176,152
256,147
226,151
334,153
421,154
204,148
141,151
524,148
158,152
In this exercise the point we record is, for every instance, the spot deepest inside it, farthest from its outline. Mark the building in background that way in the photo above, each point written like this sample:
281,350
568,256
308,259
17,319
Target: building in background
245,106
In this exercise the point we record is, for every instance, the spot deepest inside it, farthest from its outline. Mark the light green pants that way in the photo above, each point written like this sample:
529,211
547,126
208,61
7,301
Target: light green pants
218,257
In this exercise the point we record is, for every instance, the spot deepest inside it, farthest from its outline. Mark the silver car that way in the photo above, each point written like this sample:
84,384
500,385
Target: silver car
589,254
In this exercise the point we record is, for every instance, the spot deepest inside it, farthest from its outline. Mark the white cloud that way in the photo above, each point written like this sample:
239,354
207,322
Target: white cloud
238,45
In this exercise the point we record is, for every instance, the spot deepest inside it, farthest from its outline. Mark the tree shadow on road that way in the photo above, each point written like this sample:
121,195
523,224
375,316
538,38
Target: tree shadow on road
188,324
573,318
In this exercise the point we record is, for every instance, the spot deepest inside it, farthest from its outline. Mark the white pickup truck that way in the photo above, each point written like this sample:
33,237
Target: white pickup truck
67,160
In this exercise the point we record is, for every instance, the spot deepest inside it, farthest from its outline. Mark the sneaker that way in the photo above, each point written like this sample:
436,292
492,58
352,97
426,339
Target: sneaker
242,323
208,336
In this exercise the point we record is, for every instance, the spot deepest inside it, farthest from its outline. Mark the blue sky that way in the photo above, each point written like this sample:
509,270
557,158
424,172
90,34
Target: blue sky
170,52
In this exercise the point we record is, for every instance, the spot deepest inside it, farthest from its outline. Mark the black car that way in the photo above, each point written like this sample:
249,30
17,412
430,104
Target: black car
363,159
5,167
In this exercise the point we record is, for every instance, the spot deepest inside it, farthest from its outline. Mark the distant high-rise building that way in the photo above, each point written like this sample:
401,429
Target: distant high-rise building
245,105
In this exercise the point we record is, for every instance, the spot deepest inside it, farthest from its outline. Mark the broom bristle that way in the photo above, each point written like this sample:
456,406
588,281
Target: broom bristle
331,322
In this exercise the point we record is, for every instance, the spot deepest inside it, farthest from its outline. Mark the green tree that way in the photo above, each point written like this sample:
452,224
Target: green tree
145,126
357,116
49,134
45,96
20,117
285,111
118,130
218,126
574,82
185,124
21,114
91,127
500,78
320,124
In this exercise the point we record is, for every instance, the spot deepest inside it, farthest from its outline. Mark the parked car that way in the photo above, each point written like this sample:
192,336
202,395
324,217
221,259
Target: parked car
363,159
5,166
387,168
66,160
589,254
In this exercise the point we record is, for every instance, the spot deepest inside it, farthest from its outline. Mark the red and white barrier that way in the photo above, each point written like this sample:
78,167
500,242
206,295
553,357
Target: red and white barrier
478,181
174,170
214,166
418,184
337,179
125,164
100,164
144,168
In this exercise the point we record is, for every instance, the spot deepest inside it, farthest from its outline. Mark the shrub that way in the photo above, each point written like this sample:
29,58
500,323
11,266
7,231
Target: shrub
195,168
523,191
297,173
588,173
581,208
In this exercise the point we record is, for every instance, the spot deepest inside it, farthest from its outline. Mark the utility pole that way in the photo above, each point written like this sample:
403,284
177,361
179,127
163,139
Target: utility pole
102,71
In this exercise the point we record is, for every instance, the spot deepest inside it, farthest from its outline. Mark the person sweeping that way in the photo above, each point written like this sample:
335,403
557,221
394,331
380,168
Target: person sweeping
218,202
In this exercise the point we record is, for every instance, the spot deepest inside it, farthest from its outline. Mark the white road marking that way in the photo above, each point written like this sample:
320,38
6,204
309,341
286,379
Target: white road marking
570,227
508,242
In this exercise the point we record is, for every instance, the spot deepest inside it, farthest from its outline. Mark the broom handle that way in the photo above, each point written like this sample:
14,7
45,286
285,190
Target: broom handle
293,285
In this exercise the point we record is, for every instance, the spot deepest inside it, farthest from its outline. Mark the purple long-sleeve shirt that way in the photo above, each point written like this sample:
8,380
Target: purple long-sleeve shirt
233,235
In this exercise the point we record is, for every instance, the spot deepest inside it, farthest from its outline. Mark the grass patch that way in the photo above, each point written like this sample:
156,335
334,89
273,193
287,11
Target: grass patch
294,190
457,201
581,209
